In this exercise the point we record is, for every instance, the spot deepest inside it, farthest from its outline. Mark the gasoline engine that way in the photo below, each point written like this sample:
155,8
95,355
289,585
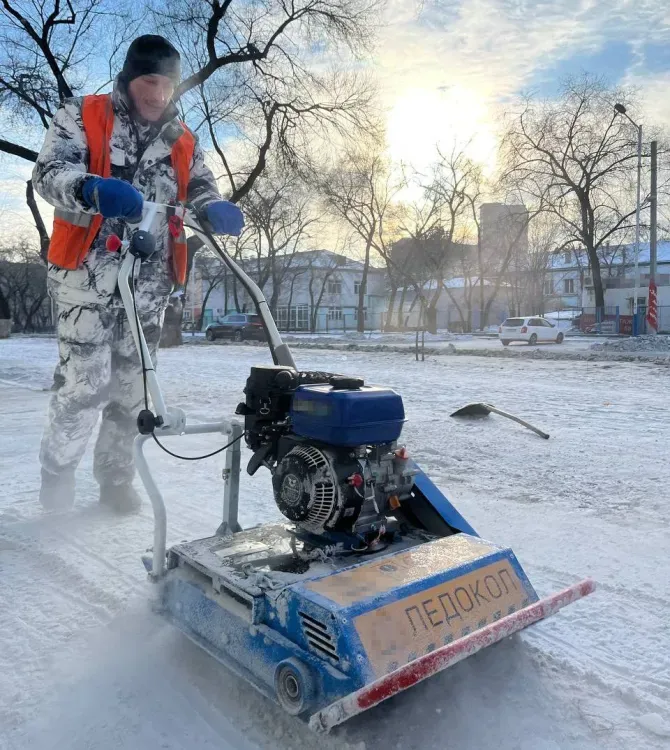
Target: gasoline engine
330,443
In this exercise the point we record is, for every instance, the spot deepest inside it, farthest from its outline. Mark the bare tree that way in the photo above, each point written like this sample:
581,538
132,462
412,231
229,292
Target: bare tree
544,241
23,287
358,192
436,226
210,272
248,64
578,157
321,267
281,217
252,79
46,53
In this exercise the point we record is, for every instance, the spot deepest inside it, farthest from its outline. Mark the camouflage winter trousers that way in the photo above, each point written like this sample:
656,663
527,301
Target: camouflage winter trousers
99,367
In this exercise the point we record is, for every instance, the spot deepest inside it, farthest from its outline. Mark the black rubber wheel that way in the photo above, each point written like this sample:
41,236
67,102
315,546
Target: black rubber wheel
209,335
294,686
237,336
505,343
559,338
532,340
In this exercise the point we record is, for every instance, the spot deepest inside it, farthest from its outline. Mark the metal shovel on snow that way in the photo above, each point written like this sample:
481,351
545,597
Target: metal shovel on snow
483,410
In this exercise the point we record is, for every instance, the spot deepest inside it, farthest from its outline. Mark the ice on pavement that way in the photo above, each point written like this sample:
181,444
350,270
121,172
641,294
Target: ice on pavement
84,663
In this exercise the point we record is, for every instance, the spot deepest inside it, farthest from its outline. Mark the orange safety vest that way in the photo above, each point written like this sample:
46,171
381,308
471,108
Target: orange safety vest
74,233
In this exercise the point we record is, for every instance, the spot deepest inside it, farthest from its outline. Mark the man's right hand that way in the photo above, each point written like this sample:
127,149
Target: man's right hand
113,198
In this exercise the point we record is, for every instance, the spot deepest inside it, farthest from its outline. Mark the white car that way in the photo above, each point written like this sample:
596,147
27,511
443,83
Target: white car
531,330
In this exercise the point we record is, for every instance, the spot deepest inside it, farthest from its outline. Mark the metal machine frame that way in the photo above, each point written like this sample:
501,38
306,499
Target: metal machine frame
173,420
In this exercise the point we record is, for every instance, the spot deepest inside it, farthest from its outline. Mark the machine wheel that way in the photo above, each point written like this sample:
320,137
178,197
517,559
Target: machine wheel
209,335
294,686
505,343
532,340
559,338
237,336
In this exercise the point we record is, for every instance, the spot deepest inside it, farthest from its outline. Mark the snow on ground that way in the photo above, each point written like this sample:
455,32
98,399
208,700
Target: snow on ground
573,347
85,664
637,344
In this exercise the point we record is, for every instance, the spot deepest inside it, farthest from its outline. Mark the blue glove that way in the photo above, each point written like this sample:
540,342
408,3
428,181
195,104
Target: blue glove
112,198
225,218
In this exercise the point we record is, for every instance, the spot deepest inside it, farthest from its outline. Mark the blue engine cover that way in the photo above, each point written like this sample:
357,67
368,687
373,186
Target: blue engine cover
361,416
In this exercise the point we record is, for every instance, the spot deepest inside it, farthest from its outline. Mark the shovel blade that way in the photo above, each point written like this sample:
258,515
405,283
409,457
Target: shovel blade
473,410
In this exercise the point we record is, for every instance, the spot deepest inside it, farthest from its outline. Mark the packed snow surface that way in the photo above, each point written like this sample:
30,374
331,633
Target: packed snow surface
85,664
573,348
648,343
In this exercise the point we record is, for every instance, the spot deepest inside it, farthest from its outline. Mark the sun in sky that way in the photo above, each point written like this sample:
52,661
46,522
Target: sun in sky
420,119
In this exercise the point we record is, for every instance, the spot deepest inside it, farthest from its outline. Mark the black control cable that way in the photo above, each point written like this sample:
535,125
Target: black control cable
146,390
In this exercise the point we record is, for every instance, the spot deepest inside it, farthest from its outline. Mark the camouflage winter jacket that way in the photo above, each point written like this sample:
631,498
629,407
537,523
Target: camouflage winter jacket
141,155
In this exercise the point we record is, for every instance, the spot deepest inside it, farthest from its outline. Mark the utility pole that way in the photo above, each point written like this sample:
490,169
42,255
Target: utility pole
653,203
637,220
620,109
652,305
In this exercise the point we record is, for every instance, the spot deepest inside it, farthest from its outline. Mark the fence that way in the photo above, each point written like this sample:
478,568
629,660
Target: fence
664,319
611,321
607,320
348,321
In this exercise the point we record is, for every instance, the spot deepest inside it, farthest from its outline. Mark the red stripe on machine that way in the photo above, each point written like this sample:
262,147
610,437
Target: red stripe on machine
429,664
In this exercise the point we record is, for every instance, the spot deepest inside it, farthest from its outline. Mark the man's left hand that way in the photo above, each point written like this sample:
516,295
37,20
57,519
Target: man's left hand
225,218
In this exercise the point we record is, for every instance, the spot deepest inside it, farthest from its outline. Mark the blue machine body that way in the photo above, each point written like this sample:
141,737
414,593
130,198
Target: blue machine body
369,415
345,627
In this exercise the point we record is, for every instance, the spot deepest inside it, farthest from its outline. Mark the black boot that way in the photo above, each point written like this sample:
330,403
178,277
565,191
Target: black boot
120,498
57,490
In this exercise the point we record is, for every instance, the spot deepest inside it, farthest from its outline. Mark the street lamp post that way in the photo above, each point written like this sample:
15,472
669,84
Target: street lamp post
621,110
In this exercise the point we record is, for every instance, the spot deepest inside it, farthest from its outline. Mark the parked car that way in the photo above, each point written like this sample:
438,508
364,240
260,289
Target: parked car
530,330
236,326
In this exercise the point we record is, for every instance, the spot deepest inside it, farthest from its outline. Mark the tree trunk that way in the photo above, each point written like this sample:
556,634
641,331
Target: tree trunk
5,310
401,305
174,314
37,218
597,279
459,309
235,295
360,323
225,291
171,333
201,317
274,299
388,323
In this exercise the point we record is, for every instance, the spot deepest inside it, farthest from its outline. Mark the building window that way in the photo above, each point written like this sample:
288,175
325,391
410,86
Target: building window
335,287
357,287
294,319
548,288
334,313
282,318
365,313
302,317
569,286
567,256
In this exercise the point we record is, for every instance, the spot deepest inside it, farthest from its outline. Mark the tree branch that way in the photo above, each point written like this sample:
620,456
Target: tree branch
15,150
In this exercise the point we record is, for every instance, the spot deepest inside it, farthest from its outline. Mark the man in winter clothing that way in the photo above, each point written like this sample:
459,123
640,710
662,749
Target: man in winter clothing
102,157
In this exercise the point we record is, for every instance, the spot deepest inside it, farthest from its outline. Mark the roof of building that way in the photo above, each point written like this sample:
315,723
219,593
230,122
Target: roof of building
325,259
617,255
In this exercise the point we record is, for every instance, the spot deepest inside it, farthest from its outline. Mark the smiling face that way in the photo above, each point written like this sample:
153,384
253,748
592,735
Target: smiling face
151,95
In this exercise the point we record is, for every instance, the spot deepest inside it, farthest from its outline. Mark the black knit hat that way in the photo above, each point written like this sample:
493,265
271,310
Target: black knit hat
151,55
